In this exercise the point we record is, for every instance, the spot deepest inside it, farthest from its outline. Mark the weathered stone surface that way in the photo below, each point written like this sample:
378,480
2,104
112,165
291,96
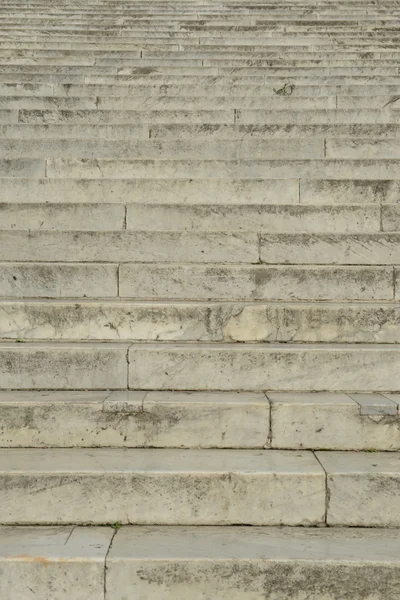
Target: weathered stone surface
199,321
231,282
130,246
52,280
363,488
157,191
134,419
63,366
330,422
168,487
275,367
55,216
270,218
53,560
223,562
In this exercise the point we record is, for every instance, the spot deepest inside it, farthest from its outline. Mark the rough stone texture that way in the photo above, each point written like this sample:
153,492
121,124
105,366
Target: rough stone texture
231,282
262,564
330,422
50,562
117,320
272,367
172,487
63,366
134,419
363,488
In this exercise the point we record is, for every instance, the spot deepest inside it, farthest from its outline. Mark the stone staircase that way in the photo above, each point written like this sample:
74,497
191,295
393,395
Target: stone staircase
200,300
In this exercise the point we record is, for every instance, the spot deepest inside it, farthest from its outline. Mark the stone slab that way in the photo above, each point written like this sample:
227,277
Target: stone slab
147,486
235,282
133,419
26,366
274,367
363,488
118,320
329,421
52,280
53,560
241,563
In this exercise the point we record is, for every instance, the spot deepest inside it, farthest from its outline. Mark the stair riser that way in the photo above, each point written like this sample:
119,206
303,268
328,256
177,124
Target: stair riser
193,322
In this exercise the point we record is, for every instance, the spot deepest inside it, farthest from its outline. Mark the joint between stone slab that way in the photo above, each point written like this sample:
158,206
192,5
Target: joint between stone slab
125,216
105,565
327,492
270,433
299,192
380,217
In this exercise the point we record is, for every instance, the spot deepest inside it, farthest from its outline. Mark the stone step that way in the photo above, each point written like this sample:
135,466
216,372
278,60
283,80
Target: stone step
275,218
206,91
168,487
182,149
274,367
191,246
138,419
122,320
183,281
139,102
219,562
297,421
70,133
229,367
59,168
191,191
199,116
195,487
262,147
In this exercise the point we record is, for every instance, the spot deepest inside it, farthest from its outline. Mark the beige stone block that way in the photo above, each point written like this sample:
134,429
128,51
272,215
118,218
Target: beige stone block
168,487
275,367
63,366
363,488
329,421
52,280
232,563
130,246
231,282
43,560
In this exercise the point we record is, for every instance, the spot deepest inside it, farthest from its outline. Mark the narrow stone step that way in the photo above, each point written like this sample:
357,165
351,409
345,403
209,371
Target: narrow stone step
216,561
190,191
177,150
122,320
59,168
280,218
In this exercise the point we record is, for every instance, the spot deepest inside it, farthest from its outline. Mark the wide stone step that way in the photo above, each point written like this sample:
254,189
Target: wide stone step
183,281
121,320
146,486
190,246
190,149
59,168
201,191
216,561
275,218
355,134
201,420
276,367
199,487
203,367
